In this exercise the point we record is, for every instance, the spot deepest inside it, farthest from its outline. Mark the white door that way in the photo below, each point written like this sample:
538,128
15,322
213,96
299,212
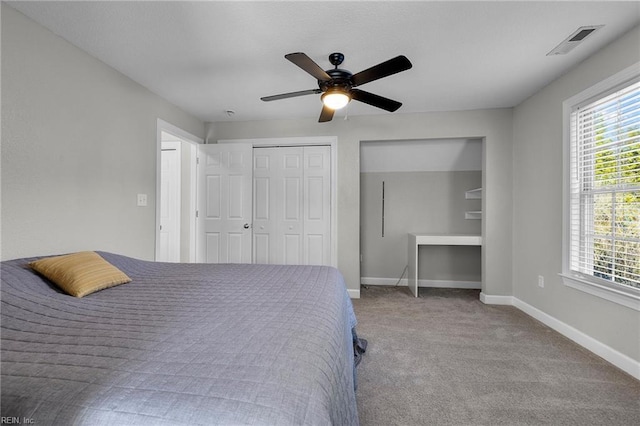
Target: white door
292,205
169,250
278,204
224,203
317,205
264,224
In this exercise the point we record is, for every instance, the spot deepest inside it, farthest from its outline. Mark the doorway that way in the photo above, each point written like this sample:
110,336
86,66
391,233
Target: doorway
175,194
170,199
426,186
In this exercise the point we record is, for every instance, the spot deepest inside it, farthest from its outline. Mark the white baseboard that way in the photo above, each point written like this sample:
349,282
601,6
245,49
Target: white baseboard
611,355
495,300
354,294
421,283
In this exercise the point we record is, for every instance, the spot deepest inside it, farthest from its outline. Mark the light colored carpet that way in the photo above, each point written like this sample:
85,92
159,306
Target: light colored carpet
446,358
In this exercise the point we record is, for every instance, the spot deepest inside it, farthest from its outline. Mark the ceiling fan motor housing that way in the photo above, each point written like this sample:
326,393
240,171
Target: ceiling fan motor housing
339,79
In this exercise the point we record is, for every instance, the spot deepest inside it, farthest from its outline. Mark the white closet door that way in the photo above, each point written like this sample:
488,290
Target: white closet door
277,205
224,203
291,204
264,223
317,205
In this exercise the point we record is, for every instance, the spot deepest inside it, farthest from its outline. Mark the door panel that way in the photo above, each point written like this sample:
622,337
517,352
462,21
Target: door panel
278,205
292,198
261,248
292,202
317,205
224,198
235,247
315,248
212,247
236,197
261,196
315,198
288,214
213,203
263,226
291,159
292,249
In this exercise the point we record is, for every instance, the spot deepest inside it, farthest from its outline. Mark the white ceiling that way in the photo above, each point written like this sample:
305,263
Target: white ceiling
209,57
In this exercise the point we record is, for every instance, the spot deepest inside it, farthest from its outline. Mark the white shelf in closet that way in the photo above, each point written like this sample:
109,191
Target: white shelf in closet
473,194
473,215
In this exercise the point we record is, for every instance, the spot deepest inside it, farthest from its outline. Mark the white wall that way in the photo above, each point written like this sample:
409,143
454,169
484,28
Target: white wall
78,144
493,125
537,206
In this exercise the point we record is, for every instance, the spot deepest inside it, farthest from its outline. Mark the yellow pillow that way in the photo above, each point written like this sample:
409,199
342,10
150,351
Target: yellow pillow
79,274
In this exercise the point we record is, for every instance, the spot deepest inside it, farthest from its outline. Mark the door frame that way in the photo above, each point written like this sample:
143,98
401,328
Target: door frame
173,146
332,142
164,126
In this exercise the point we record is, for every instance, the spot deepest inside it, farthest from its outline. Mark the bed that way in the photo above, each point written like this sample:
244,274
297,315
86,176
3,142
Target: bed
180,344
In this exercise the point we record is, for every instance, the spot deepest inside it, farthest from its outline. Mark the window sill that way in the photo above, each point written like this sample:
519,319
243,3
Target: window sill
629,298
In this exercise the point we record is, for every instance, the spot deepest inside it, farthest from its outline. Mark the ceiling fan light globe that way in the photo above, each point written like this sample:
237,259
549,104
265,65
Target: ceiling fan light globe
335,99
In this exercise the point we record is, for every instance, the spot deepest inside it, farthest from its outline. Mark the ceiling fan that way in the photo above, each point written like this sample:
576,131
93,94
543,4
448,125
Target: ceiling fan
338,86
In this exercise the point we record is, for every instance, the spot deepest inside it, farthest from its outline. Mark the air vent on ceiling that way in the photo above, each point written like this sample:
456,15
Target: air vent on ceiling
574,40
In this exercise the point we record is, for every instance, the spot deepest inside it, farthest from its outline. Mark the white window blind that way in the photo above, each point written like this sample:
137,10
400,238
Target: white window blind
605,188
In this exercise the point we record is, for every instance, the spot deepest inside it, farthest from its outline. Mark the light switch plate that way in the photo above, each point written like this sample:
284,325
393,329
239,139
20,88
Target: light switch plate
142,200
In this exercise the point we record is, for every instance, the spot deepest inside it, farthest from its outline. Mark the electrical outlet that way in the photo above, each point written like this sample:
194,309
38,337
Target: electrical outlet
540,281
142,200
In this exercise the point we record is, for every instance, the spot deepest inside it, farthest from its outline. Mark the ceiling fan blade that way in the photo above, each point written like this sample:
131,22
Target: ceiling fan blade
387,68
291,95
307,64
375,100
326,114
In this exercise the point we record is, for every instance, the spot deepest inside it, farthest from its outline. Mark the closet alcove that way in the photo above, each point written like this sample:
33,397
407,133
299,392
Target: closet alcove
428,186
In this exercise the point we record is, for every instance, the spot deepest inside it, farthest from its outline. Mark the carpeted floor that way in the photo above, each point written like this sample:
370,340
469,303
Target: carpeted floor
446,358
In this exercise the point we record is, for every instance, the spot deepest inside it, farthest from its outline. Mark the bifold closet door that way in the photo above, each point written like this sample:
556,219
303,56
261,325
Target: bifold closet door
317,205
291,205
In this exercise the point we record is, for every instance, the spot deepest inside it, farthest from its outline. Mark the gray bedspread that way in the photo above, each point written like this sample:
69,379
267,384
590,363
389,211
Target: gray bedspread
180,344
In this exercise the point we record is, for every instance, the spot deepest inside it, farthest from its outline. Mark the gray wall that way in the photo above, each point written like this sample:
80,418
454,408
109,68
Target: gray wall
78,144
495,126
537,205
418,202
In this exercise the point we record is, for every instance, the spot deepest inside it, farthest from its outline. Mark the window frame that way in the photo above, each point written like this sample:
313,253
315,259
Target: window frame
620,294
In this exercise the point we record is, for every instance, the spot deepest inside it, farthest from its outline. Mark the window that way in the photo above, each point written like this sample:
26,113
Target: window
603,191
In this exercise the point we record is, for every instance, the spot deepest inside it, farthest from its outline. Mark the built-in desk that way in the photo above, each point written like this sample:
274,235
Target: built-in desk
417,240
